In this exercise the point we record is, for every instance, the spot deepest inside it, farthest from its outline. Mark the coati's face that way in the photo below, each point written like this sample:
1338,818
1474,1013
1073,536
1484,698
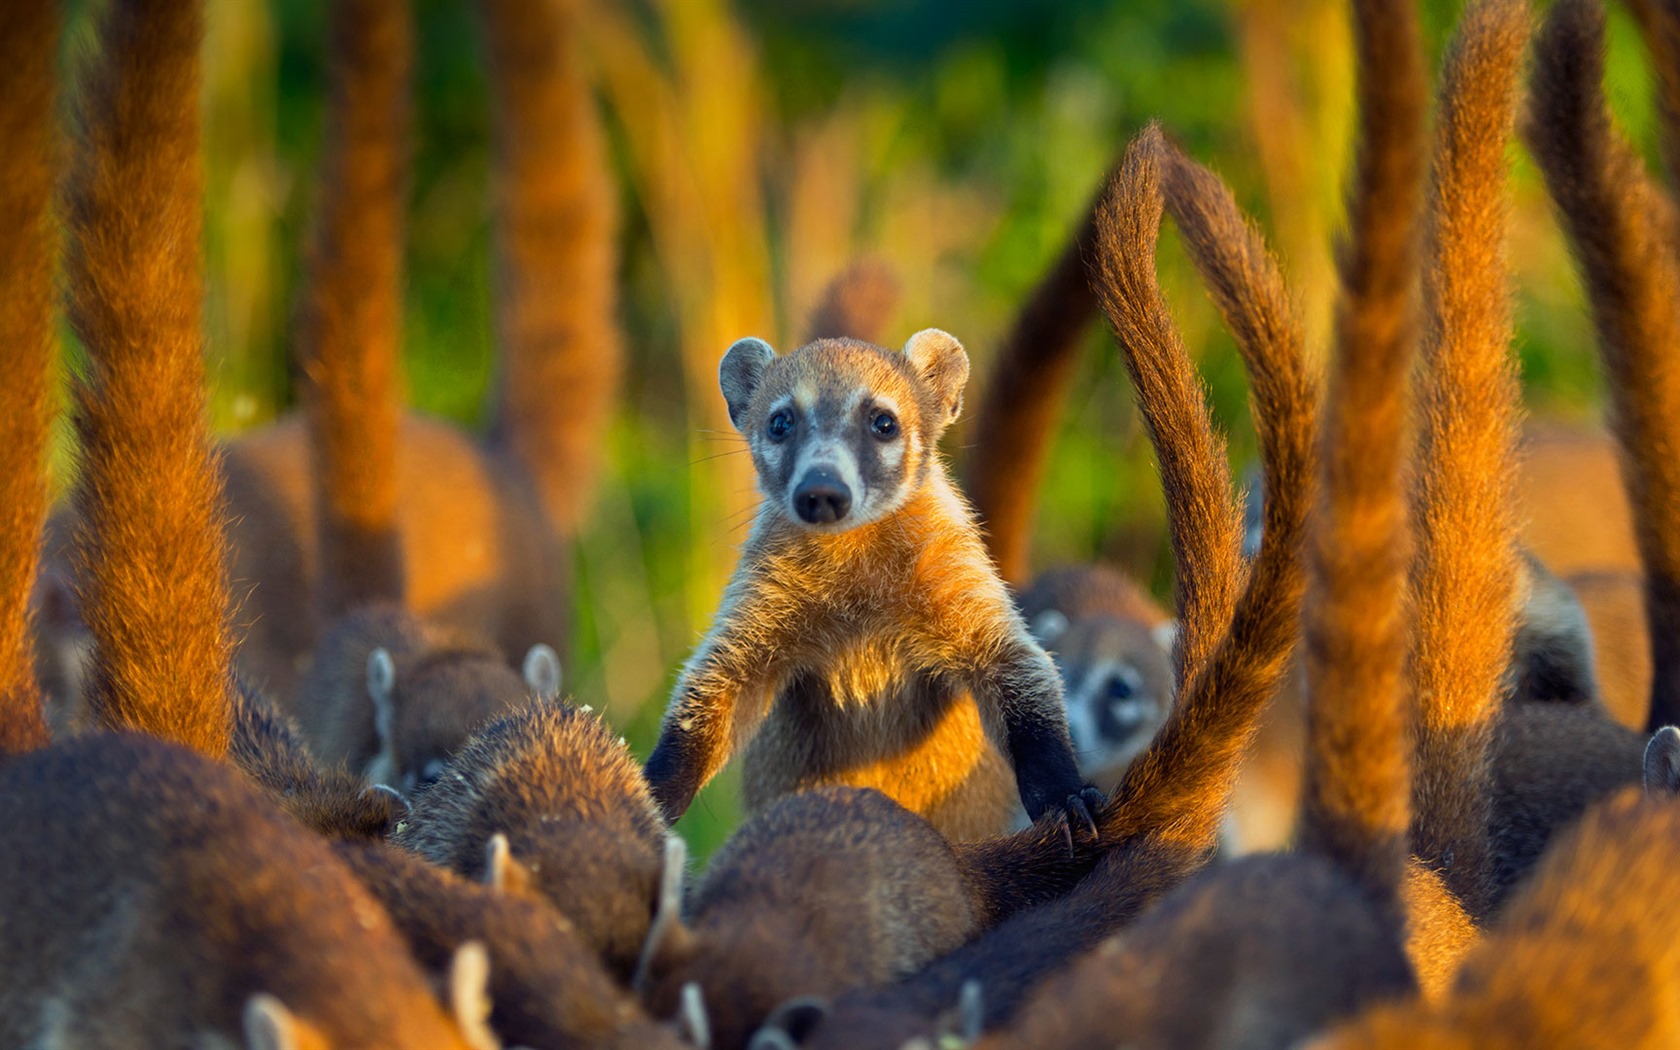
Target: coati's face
425,709
1118,684
842,432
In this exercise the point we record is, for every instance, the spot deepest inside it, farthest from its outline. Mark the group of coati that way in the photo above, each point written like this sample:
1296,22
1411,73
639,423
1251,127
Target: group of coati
284,759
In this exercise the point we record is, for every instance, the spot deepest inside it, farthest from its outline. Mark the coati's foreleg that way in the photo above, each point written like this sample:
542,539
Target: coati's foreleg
724,693
1022,690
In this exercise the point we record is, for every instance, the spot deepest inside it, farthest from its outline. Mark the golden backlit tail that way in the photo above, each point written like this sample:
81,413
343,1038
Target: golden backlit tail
1179,787
28,249
1356,805
351,324
555,227
857,303
1022,401
1659,24
1464,571
149,543
1623,230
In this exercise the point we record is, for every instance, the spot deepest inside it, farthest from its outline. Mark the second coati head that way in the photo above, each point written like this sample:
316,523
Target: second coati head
1113,646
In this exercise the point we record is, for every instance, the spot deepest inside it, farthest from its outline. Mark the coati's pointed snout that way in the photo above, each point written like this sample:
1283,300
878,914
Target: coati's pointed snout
821,498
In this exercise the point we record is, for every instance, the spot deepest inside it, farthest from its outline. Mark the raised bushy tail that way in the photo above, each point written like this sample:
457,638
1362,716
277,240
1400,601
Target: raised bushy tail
1234,656
1356,798
28,250
350,331
150,558
555,225
1023,398
1623,230
856,304
1466,565
1659,24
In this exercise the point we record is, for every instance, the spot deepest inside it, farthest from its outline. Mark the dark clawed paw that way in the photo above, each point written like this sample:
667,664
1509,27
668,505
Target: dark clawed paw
1080,809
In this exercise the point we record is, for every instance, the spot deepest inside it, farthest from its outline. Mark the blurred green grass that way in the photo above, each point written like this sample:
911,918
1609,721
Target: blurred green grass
960,142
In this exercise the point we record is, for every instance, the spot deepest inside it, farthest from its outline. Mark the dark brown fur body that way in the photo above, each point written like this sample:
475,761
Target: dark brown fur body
578,818
150,894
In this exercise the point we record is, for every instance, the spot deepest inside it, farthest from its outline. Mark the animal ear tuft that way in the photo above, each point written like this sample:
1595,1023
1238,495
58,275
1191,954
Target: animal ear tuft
739,375
1048,626
502,872
269,1025
1166,636
541,671
469,995
668,939
942,363
1662,762
691,1017
381,682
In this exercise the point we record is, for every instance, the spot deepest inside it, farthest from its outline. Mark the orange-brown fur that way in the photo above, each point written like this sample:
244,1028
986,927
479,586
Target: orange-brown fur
1016,420
1571,502
1622,229
547,989
1156,835
1614,604
1466,570
556,260
1587,954
856,304
150,894
149,546
350,328
576,813
28,250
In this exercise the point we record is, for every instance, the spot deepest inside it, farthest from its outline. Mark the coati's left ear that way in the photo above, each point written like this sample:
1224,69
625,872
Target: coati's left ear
943,365
669,941
541,672
501,872
739,375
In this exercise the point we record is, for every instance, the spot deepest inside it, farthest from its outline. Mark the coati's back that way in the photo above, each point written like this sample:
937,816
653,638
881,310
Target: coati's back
152,895
581,827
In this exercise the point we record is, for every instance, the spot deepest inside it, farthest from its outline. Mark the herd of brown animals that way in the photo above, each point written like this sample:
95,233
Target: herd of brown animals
286,716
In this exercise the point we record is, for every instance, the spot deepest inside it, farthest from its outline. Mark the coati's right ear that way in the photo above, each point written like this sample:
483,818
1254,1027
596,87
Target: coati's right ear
1048,627
541,672
270,1026
668,940
942,363
501,872
739,375
1662,763
381,682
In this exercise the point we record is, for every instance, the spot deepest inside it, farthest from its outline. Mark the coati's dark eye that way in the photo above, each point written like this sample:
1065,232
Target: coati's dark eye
883,425
1119,688
781,425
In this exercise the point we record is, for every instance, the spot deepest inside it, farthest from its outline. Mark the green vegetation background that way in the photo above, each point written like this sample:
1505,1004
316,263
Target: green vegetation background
958,141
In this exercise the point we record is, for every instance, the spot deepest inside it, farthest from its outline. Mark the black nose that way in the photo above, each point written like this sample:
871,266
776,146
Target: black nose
822,498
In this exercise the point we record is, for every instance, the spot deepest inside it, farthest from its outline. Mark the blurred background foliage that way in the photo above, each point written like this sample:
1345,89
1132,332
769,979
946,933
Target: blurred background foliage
763,144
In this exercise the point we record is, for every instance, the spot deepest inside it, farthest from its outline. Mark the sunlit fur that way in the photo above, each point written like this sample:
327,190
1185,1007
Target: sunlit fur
1467,571
156,892
350,324
1568,962
1622,228
880,650
1022,400
150,550
28,250
576,813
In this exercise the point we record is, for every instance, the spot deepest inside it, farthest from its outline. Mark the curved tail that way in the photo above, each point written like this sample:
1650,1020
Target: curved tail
1017,417
555,222
1465,569
1659,24
149,546
1623,230
1356,805
856,304
28,48
351,321
1235,638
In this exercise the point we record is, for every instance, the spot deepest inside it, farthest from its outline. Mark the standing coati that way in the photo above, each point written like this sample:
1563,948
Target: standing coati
1162,825
28,251
865,637
577,826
